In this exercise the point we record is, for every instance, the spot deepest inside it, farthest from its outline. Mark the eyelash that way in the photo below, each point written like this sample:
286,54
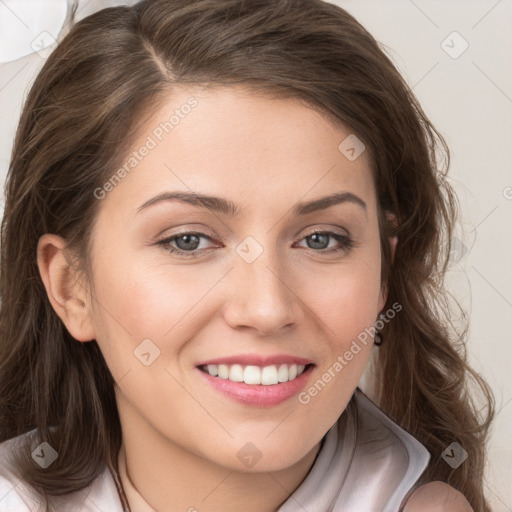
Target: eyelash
347,243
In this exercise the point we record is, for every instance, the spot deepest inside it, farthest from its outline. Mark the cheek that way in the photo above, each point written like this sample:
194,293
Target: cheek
349,305
346,315
149,299
143,309
346,297
346,311
145,296
138,300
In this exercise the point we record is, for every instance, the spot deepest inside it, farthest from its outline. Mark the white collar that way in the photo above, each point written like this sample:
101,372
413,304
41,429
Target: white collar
367,463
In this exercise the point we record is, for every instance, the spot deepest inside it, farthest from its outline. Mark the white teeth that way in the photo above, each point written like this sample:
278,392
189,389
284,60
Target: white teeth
236,373
252,375
213,370
269,375
282,373
255,375
223,371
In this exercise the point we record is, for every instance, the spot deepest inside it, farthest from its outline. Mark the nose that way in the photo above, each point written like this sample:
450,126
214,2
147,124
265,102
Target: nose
263,296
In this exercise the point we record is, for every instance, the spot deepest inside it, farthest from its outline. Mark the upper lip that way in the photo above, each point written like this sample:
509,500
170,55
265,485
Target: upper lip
257,360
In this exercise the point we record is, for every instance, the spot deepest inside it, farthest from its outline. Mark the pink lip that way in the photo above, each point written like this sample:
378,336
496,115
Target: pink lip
258,395
257,360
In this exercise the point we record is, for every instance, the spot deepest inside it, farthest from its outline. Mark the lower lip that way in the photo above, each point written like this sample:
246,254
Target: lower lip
258,395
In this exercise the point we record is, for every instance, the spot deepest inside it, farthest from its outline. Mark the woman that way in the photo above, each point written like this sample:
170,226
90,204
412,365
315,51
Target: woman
213,211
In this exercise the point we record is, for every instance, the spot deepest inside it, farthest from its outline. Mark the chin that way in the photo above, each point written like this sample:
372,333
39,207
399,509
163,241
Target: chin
263,456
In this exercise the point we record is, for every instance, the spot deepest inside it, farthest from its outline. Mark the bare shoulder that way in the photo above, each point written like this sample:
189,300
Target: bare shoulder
437,497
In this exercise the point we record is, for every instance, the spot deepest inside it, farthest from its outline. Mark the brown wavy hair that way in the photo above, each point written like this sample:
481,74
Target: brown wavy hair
80,117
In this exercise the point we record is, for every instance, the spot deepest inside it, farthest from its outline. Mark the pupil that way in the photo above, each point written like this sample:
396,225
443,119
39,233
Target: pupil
187,239
321,241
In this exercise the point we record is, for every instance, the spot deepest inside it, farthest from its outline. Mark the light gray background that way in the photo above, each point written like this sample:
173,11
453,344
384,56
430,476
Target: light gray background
469,99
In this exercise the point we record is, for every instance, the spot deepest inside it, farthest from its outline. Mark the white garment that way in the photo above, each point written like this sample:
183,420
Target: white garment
367,463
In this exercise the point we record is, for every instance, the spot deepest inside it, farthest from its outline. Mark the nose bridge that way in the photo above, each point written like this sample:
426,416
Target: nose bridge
263,297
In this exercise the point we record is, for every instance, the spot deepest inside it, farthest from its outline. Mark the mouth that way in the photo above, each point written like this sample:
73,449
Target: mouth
257,381
255,375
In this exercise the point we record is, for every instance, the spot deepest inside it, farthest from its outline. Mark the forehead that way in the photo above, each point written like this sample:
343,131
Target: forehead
235,142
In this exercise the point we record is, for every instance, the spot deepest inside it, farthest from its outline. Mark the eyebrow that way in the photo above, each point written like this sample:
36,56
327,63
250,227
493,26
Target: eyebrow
227,207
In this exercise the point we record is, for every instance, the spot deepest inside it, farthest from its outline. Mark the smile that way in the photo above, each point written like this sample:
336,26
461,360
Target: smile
257,380
255,375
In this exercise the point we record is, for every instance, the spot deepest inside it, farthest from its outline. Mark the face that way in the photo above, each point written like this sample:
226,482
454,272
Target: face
259,285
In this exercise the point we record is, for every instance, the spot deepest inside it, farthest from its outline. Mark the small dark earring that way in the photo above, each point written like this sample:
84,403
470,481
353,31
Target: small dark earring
377,340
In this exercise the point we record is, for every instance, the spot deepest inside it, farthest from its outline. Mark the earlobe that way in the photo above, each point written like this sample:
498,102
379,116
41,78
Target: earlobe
392,243
66,294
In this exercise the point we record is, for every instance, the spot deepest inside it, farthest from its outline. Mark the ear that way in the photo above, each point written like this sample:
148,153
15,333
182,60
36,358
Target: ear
67,295
383,297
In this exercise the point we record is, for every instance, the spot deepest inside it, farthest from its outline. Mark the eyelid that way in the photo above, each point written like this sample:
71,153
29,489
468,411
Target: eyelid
199,234
212,236
346,240
330,229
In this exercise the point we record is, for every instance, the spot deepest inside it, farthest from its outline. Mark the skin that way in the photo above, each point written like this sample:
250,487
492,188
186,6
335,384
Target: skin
437,497
180,436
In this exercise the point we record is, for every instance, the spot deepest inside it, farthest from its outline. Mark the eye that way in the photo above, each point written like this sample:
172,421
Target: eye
320,242
188,244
